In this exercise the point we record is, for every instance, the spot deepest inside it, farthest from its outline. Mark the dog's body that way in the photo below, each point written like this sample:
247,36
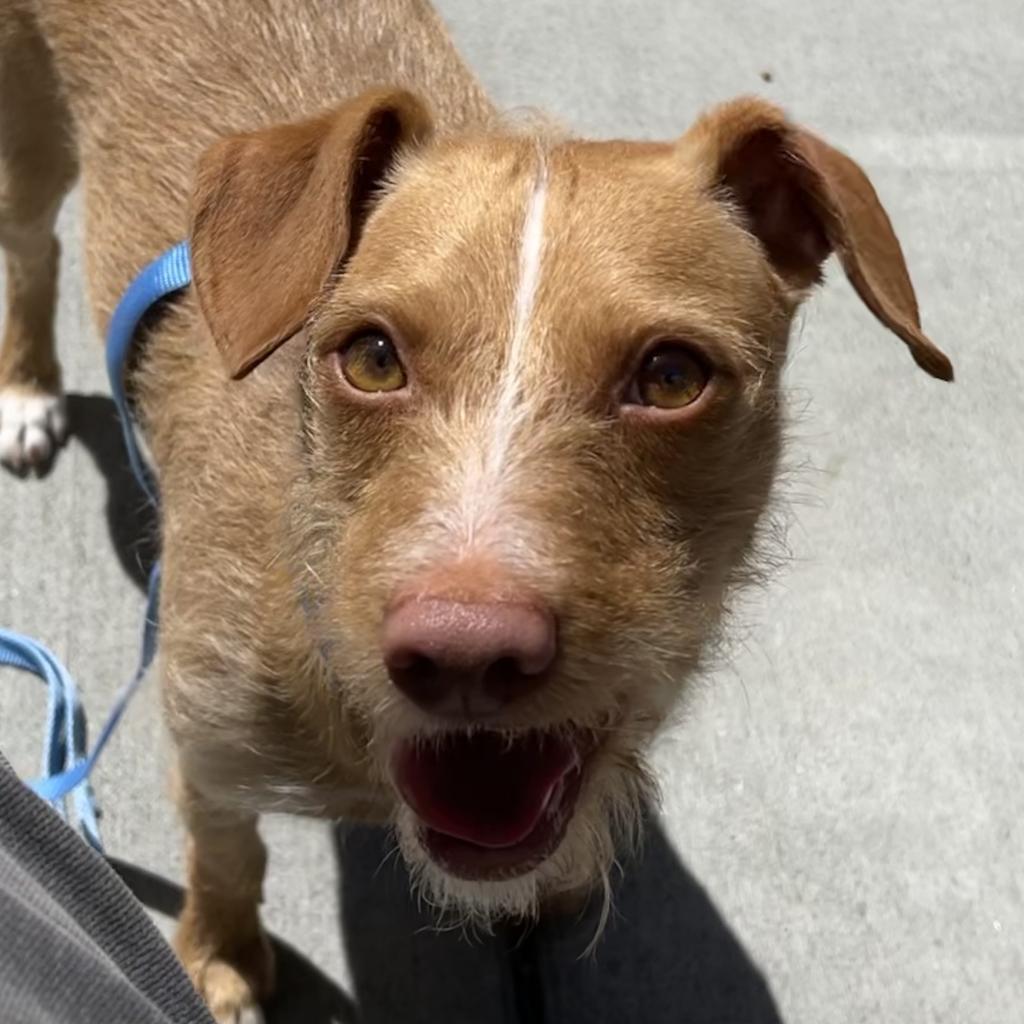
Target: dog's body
304,516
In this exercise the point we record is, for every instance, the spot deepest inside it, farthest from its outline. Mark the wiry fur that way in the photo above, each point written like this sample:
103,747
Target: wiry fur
522,273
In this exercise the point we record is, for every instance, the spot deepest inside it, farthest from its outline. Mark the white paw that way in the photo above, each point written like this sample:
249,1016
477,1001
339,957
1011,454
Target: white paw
240,1015
229,996
31,428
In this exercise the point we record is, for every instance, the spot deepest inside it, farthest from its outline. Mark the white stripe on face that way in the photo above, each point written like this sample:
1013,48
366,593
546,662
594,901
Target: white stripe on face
485,467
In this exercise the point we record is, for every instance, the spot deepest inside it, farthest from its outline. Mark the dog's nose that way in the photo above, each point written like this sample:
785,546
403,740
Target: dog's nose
467,659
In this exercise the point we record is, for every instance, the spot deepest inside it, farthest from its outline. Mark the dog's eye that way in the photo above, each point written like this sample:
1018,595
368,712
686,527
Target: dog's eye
670,377
370,363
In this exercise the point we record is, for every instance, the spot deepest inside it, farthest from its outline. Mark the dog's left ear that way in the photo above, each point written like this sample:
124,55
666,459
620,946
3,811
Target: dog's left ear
802,200
275,212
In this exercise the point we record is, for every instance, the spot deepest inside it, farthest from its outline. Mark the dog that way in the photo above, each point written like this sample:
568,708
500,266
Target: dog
465,431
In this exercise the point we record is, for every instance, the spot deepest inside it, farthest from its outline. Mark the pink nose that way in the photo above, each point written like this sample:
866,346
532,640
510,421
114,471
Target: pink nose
467,659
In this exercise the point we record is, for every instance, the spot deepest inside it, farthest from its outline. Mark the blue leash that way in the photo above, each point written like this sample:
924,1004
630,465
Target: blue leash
66,765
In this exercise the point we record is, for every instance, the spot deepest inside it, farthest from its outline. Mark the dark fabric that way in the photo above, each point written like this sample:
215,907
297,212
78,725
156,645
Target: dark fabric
75,945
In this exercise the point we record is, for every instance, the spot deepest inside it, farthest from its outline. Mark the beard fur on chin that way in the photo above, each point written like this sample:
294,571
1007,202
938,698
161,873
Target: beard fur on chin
607,824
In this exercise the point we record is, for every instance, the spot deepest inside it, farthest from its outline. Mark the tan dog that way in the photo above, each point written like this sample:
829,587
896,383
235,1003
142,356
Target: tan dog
463,434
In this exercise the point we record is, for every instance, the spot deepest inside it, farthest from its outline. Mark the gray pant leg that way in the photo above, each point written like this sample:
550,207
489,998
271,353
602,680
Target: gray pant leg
75,945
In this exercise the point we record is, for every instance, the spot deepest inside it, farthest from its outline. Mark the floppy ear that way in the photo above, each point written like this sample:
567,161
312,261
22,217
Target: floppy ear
274,213
803,200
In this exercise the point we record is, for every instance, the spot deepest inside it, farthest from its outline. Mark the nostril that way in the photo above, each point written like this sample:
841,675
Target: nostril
417,676
511,677
502,672
421,668
418,665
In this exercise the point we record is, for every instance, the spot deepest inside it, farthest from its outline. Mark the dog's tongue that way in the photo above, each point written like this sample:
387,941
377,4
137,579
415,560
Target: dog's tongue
483,788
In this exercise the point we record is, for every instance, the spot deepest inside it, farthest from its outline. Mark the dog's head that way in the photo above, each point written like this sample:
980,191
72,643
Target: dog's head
541,418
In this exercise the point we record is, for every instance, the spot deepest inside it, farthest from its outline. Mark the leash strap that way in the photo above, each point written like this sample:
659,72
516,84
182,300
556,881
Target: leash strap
66,765
165,275
64,742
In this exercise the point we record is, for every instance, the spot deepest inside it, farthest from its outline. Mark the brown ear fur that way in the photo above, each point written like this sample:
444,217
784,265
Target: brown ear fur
274,213
803,200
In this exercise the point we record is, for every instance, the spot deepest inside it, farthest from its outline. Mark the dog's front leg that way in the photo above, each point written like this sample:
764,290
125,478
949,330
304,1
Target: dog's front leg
220,939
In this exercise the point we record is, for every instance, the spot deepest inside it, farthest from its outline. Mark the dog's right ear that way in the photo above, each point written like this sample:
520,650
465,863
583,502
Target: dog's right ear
275,212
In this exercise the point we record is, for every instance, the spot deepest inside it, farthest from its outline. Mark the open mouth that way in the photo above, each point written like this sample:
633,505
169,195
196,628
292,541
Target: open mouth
490,805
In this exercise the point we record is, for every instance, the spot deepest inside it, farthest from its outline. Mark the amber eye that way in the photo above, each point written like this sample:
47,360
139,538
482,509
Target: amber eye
670,377
370,363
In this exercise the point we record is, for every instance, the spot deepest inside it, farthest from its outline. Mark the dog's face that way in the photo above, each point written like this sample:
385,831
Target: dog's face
541,425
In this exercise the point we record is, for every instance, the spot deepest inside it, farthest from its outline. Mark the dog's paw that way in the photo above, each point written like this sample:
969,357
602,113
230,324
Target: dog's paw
233,985
32,426
231,999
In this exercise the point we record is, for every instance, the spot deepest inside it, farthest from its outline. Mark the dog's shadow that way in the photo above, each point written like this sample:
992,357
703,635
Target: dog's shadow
666,956
131,518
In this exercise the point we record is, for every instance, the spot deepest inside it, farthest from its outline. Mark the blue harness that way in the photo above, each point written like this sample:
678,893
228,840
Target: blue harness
66,763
